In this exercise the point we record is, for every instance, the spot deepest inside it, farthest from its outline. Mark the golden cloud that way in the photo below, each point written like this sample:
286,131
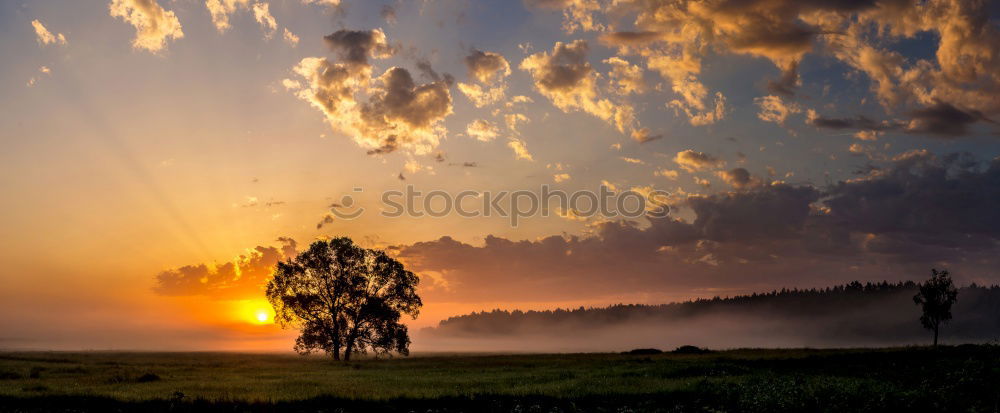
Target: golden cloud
153,25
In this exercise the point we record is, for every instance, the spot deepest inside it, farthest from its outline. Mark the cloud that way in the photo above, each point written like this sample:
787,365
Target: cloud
941,120
153,25
694,161
666,173
355,47
578,14
329,3
262,13
867,135
290,37
860,122
675,37
482,130
221,9
787,83
910,214
46,37
480,95
737,178
774,109
400,109
398,113
643,135
487,67
44,70
566,77
425,68
626,77
512,120
328,218
243,277
489,71
629,38
520,149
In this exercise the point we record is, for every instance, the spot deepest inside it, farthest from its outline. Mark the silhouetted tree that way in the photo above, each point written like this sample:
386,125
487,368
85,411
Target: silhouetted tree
936,296
345,299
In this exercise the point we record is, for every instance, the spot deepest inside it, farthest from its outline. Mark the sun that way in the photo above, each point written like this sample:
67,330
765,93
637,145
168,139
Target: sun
252,311
262,316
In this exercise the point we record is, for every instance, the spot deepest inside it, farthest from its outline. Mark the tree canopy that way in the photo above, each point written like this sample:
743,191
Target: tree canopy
936,296
345,299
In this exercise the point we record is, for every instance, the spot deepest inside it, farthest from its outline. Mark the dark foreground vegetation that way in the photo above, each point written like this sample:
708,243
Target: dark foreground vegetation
961,378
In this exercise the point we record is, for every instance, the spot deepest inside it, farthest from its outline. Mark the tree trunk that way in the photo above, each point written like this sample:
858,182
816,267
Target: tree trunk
936,327
336,352
349,345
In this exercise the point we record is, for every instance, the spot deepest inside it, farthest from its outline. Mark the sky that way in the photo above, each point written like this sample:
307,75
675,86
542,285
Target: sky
160,156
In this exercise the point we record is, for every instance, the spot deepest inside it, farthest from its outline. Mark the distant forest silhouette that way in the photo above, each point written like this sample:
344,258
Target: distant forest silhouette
851,314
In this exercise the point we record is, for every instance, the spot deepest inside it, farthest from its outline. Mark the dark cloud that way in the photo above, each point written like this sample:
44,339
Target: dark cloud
922,197
327,219
737,177
401,101
425,68
643,135
356,46
772,212
240,278
912,213
860,122
486,67
787,84
288,246
564,70
943,119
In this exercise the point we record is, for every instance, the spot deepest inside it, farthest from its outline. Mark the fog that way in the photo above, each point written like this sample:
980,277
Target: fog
864,319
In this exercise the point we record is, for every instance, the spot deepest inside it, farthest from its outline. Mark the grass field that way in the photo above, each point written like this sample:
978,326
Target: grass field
963,378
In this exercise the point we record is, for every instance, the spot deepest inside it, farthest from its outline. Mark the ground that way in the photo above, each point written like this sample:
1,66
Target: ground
962,378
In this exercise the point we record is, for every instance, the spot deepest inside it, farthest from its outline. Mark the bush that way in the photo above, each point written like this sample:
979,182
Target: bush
690,350
146,378
644,351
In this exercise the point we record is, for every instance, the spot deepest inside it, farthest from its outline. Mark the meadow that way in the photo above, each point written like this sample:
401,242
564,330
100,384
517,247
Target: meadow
959,378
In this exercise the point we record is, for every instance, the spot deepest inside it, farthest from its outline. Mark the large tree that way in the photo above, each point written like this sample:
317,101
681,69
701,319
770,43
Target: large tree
345,299
936,296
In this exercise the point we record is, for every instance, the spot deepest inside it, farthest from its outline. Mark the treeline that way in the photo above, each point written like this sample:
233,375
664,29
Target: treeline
865,310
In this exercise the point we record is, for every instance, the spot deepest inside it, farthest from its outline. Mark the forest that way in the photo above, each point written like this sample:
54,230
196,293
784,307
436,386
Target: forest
853,314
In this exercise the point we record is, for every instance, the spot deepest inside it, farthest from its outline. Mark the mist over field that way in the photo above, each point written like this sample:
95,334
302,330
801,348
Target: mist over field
874,315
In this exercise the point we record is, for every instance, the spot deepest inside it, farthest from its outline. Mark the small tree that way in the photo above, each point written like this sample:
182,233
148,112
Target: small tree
345,299
936,296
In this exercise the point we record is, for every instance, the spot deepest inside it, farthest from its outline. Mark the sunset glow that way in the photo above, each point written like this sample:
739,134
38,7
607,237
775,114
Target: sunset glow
161,157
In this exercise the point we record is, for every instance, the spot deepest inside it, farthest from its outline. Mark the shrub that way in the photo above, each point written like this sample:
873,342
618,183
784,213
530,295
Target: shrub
687,349
644,351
